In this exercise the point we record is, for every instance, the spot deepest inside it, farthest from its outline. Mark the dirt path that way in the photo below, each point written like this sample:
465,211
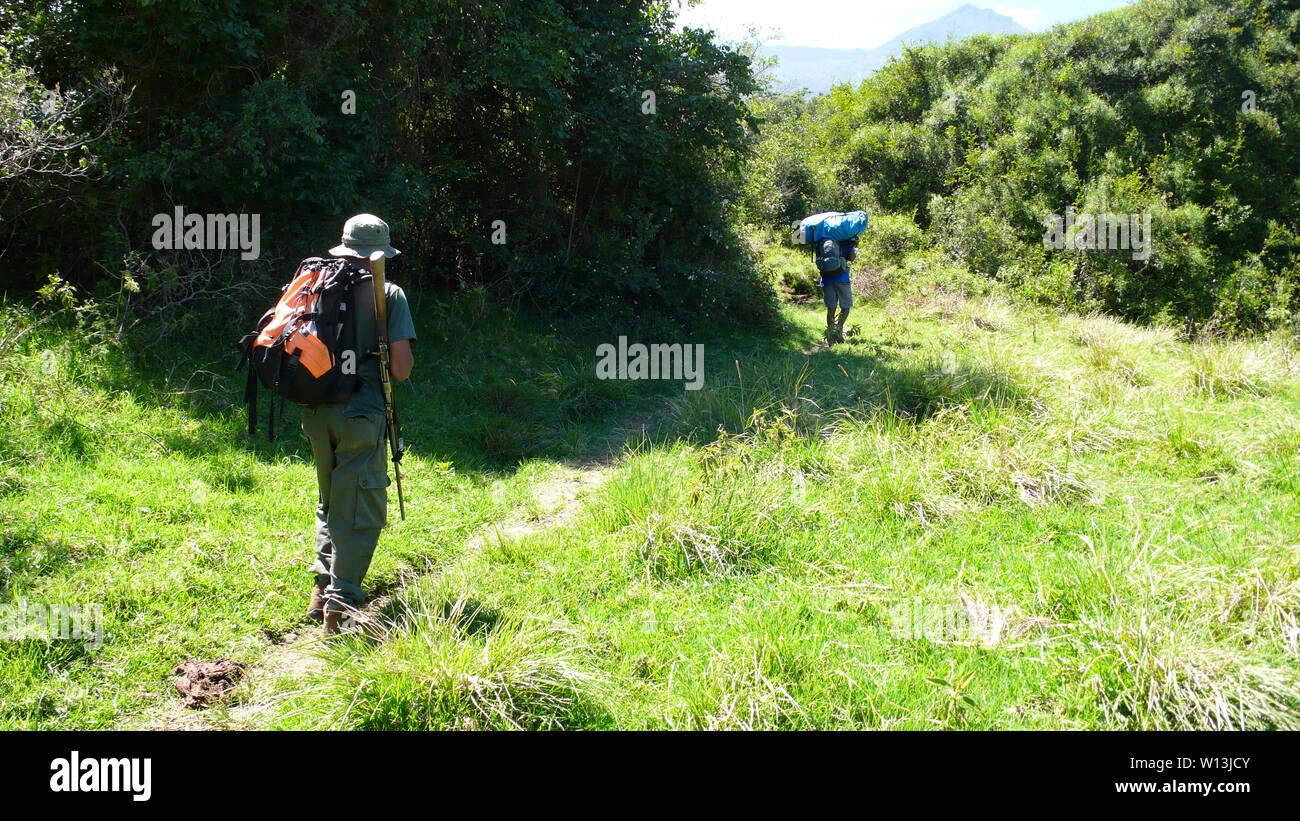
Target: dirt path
292,657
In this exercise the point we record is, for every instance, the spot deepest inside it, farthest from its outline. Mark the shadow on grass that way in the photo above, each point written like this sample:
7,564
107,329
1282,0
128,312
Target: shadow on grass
820,385
492,390
489,392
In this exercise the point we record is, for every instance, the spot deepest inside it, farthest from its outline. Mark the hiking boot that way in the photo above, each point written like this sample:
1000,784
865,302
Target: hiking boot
335,621
316,609
353,622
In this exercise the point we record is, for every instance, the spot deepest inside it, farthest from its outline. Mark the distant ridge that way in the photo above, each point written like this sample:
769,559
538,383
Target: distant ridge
817,69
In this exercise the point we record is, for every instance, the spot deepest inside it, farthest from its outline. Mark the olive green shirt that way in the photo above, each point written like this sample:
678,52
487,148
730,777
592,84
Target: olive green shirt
369,398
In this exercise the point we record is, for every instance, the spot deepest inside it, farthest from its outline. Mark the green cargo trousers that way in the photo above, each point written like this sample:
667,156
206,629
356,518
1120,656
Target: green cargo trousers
352,474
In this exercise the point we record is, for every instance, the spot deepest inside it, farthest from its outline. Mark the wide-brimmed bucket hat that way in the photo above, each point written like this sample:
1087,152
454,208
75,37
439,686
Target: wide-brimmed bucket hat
363,235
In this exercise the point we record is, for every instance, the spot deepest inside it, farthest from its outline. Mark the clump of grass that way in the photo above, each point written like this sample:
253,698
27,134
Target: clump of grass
989,314
1202,646
509,397
938,384
788,269
578,394
748,687
670,550
1226,369
1266,604
945,304
1093,433
1104,353
441,669
11,483
25,552
1141,339
730,398
1188,453
994,625
506,438
987,474
723,515
1165,686
649,483
1050,485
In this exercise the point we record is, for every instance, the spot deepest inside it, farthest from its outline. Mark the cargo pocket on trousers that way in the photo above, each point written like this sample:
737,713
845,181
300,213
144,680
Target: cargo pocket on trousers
372,502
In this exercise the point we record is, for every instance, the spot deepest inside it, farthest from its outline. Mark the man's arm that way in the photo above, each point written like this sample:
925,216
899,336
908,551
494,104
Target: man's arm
400,360
401,332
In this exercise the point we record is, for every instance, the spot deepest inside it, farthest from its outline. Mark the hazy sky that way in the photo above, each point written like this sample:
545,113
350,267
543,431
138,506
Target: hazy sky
865,23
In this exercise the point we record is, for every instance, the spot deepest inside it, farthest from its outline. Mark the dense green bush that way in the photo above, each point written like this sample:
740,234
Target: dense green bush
531,114
891,239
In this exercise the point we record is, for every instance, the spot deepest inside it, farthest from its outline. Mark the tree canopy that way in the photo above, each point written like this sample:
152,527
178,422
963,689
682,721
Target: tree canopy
601,139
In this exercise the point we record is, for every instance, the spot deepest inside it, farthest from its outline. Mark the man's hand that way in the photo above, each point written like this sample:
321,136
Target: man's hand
400,360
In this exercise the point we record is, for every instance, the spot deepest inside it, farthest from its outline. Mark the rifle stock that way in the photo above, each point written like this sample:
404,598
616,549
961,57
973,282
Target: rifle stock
395,443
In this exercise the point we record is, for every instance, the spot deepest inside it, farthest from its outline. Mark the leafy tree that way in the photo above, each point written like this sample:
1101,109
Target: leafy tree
533,118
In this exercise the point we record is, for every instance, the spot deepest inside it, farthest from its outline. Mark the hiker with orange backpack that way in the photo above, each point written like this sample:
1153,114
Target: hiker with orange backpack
321,346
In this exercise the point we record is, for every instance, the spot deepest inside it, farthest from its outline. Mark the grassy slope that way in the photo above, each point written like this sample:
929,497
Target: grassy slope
144,496
1118,510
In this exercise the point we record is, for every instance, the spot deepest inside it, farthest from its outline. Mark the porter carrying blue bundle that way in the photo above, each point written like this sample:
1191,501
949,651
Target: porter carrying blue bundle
833,237
836,225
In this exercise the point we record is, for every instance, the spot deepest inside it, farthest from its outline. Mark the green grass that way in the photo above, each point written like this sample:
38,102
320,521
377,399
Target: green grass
972,515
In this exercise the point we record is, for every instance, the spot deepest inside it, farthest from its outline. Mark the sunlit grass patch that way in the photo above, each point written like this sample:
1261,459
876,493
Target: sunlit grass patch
1227,369
1125,546
446,667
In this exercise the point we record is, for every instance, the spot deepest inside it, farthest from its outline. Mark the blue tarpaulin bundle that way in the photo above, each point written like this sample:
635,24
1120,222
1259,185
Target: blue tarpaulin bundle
836,225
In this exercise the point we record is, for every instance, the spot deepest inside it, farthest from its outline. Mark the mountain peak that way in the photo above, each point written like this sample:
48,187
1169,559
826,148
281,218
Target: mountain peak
817,69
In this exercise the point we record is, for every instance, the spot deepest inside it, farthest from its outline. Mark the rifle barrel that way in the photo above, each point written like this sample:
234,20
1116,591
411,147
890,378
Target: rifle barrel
385,376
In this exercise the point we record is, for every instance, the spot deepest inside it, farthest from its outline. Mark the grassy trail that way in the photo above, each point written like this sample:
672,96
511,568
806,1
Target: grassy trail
973,514
290,660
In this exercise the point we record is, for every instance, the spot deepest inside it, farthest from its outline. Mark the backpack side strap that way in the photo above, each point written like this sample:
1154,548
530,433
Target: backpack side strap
250,399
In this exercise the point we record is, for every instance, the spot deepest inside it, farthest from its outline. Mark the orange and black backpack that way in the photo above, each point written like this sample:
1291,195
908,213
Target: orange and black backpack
304,349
